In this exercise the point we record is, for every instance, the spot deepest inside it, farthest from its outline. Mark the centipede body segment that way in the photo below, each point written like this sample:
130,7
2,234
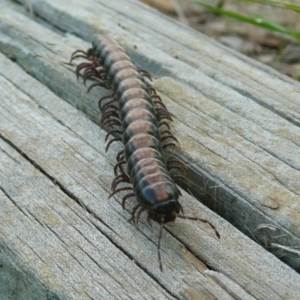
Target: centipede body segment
134,114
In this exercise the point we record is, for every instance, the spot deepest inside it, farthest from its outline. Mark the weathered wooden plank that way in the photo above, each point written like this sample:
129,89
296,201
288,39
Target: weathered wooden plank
40,216
241,141
42,52
74,250
62,171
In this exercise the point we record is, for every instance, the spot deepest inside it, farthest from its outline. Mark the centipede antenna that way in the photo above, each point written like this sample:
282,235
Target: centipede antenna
200,219
158,244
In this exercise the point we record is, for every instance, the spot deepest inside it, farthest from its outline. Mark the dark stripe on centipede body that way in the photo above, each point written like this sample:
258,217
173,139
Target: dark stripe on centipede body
141,140
136,103
150,175
143,157
150,180
138,114
134,93
147,170
129,83
118,66
101,42
140,126
125,74
114,57
161,191
153,164
108,50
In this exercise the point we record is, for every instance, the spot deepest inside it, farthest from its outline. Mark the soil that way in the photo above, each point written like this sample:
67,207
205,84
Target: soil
276,50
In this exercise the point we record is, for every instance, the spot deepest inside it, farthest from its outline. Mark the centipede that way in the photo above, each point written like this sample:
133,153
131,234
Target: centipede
135,115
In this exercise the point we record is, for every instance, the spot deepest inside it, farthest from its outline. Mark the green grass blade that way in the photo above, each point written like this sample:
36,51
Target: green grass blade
284,4
255,20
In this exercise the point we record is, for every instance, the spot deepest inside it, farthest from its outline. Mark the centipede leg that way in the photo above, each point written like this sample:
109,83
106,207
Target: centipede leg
111,122
164,123
168,145
120,155
95,84
108,115
201,220
179,177
145,74
133,213
110,107
81,67
118,165
142,209
83,54
173,164
103,98
112,132
111,141
122,178
126,188
126,197
170,136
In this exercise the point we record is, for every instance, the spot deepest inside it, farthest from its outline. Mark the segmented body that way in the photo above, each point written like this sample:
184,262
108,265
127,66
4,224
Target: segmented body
135,115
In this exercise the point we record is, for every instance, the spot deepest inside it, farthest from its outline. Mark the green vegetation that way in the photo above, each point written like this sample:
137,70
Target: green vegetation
256,19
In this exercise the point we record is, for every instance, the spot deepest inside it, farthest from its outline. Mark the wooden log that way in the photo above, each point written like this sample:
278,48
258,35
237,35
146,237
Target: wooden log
55,180
57,225
241,143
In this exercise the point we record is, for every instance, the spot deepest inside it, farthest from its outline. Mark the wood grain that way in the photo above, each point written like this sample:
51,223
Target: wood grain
55,176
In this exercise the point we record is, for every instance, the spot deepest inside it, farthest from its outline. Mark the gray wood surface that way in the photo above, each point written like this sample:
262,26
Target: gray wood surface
237,122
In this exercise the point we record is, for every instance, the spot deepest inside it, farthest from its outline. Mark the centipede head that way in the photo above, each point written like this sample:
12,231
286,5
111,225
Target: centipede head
164,212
